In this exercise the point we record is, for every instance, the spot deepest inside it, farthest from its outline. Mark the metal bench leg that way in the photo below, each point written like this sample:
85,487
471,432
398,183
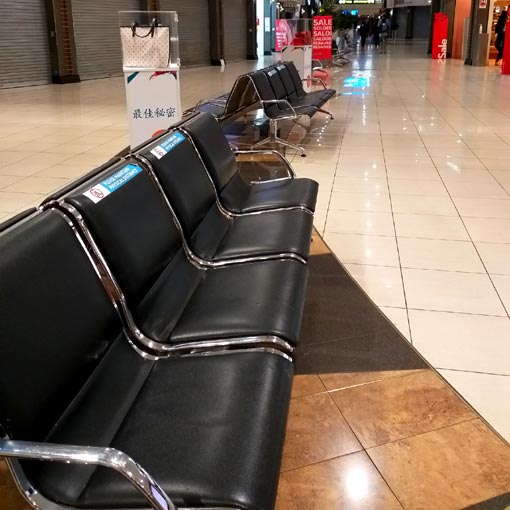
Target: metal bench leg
274,138
326,112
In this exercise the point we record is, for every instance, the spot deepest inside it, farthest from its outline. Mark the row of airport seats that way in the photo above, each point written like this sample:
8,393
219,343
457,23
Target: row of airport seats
149,315
278,89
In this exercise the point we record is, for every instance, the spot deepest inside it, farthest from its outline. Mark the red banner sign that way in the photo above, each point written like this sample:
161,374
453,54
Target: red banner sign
322,37
505,65
440,36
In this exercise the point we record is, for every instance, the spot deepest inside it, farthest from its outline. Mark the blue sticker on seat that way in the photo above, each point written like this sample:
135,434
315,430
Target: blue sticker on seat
167,145
113,183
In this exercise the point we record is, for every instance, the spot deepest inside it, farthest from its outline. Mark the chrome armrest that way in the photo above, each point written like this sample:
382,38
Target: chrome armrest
107,457
215,102
284,101
282,158
233,147
313,79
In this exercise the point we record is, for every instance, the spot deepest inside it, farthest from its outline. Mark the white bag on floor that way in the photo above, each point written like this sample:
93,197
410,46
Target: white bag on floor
145,46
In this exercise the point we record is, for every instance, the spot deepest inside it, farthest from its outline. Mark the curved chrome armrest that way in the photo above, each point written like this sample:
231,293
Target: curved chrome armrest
216,102
321,81
107,457
284,101
282,158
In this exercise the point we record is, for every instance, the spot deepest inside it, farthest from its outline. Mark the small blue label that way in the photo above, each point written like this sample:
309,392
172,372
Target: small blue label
166,146
120,178
104,188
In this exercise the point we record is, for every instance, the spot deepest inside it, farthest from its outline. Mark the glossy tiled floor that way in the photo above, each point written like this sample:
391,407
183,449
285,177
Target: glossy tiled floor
414,200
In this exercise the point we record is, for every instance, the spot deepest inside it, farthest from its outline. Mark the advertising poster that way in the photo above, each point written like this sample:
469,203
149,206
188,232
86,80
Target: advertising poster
440,36
154,103
322,37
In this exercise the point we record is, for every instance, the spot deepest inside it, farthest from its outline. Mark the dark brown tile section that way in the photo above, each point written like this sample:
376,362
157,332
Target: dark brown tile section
303,385
357,360
400,407
316,431
447,469
501,502
10,498
345,483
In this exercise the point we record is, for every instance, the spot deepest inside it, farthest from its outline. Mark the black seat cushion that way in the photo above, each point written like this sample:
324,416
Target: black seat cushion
266,234
187,304
210,233
139,240
208,429
270,194
236,194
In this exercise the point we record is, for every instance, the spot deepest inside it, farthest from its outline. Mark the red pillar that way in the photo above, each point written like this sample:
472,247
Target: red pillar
440,36
505,65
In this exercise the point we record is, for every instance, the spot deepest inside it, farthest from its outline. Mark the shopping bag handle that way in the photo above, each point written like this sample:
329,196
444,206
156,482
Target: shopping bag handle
135,25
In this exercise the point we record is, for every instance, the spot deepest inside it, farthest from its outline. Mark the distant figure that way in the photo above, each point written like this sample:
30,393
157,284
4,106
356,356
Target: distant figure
500,34
363,32
375,32
384,26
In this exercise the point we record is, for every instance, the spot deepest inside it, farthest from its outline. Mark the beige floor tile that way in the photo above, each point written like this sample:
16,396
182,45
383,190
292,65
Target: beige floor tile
488,230
502,283
7,180
349,483
488,188
365,185
370,202
483,207
440,206
34,164
362,249
382,284
400,407
451,292
430,227
412,173
356,222
487,393
12,202
398,317
446,469
316,431
42,185
477,343
65,171
440,255
496,257
9,157
416,187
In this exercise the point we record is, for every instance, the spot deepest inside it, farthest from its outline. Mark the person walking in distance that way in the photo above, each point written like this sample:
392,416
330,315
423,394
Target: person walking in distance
363,32
384,26
500,34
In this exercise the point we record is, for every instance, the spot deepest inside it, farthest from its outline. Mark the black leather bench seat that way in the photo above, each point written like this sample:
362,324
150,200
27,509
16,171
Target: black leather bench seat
212,234
171,299
208,429
186,304
235,193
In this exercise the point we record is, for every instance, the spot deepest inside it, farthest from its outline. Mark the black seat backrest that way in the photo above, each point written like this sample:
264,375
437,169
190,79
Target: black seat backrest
184,179
266,93
276,83
242,95
131,225
294,74
214,148
56,323
287,81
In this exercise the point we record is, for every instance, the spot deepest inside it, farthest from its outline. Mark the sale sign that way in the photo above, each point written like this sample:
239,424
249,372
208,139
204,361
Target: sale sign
322,37
440,36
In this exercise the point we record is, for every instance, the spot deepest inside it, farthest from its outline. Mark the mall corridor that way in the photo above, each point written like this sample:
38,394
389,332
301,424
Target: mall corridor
414,203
